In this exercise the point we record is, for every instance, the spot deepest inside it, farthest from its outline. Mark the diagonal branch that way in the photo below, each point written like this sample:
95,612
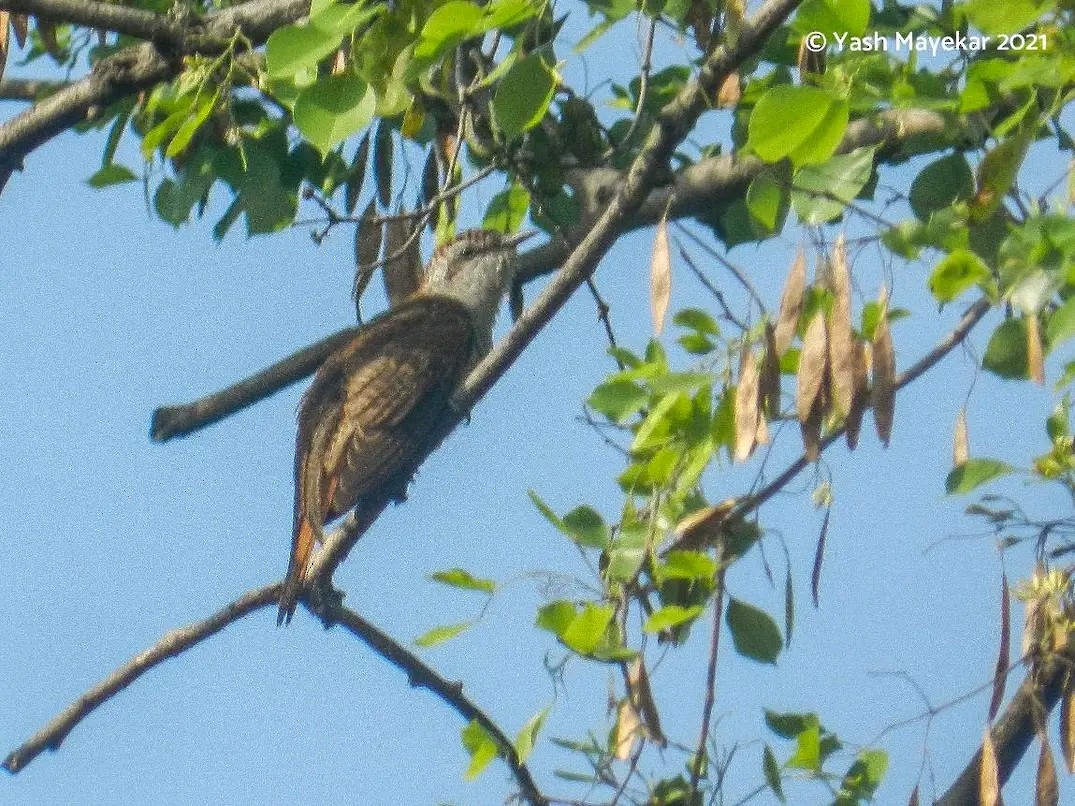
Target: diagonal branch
176,421
419,675
674,123
170,645
1015,729
134,69
134,22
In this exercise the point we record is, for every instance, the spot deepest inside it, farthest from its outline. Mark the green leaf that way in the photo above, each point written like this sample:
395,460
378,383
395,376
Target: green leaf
973,473
804,124
863,778
507,210
688,565
698,320
832,17
293,48
586,526
627,552
189,127
768,199
586,631
941,184
754,633
1005,354
958,272
523,96
480,746
332,109
1008,17
438,635
111,174
556,617
807,755
527,738
771,769
618,400
447,27
1061,324
821,192
460,578
669,616
788,725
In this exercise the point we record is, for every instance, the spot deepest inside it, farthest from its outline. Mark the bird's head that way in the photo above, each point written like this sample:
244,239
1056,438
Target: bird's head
476,268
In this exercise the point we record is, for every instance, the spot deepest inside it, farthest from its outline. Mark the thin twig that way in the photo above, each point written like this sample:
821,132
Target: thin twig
420,675
710,680
170,645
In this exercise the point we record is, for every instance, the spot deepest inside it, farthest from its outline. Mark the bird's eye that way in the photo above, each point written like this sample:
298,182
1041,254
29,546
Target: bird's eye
468,250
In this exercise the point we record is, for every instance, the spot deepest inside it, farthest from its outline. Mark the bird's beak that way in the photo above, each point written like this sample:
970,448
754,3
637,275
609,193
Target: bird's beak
512,241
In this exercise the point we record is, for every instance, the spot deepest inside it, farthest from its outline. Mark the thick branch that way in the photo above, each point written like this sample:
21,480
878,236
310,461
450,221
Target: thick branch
25,89
450,692
170,645
1014,730
134,69
131,21
177,421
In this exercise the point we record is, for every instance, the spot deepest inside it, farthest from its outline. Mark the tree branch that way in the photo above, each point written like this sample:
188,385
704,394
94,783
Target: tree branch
134,22
169,422
1014,730
170,645
419,675
23,89
134,69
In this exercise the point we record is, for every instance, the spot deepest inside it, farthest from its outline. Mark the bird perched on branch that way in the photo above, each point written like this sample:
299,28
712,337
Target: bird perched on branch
377,405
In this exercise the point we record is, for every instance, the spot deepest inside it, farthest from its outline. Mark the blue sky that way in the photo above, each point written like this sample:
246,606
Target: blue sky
111,540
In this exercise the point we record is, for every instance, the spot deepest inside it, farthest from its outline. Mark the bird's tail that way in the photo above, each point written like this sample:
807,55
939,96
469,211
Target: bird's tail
301,549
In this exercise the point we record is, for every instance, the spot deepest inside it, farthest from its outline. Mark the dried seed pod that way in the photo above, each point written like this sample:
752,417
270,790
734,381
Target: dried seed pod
791,303
403,263
660,277
813,365
1035,361
884,374
770,375
860,399
841,348
960,440
746,407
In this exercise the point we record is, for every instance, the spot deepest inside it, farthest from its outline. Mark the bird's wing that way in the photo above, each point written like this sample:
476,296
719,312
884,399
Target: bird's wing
372,414
394,396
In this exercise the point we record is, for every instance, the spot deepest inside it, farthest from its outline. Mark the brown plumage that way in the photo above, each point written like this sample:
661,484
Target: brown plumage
376,406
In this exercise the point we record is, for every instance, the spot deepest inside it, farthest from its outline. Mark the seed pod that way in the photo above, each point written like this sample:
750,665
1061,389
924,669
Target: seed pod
791,303
841,349
884,374
860,399
813,363
746,407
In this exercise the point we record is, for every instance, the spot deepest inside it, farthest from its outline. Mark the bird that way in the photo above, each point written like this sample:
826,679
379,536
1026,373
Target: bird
377,404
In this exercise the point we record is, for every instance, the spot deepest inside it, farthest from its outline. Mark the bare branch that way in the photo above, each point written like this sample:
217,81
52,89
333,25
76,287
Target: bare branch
134,22
1014,730
134,69
170,645
25,89
176,421
419,675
